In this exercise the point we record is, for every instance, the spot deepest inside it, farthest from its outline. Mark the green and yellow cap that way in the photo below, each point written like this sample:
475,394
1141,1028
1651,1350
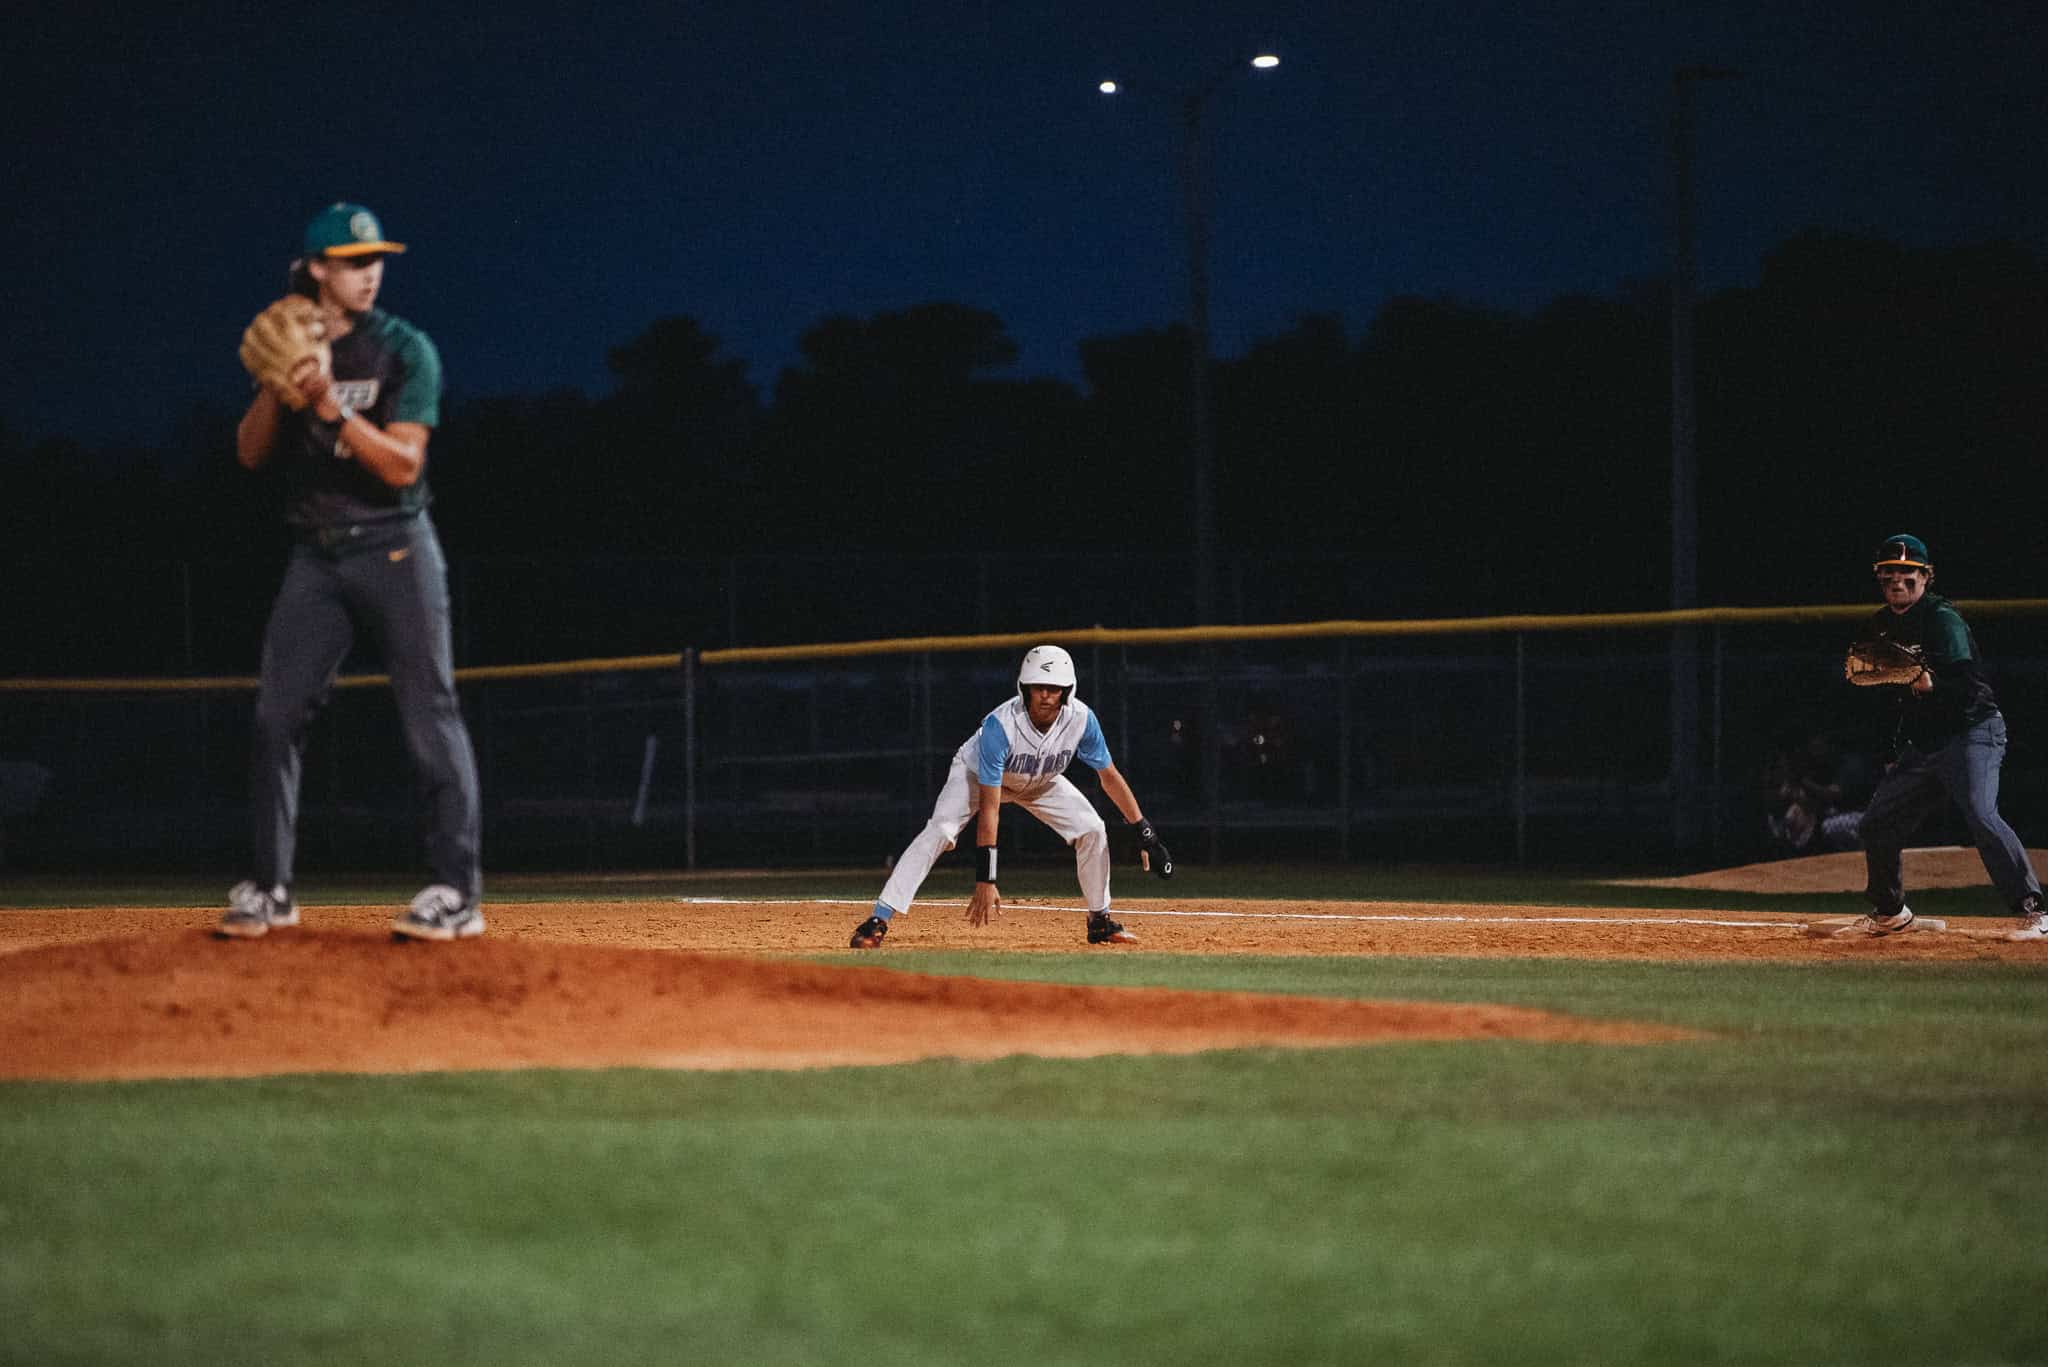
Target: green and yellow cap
347,230
1902,550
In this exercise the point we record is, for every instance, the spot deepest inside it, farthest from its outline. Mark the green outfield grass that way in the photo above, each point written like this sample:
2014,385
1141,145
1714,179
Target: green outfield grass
1848,1171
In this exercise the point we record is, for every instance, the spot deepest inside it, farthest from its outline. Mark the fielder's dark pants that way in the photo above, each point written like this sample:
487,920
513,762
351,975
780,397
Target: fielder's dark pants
391,580
1965,771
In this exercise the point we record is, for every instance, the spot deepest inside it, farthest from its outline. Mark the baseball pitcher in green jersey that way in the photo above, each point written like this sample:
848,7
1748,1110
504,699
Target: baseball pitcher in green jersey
352,452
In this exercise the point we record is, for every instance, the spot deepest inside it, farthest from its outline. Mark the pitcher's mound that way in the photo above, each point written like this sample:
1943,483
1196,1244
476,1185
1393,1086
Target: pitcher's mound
185,1004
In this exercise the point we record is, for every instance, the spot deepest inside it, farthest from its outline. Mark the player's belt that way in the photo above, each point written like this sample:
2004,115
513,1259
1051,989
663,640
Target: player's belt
331,538
355,536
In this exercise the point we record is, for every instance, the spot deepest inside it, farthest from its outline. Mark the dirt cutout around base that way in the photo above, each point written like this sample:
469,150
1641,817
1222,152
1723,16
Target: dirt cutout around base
1945,866
181,1004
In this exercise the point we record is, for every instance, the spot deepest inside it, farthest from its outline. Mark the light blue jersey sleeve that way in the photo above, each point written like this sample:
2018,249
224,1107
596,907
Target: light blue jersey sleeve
995,752
1093,750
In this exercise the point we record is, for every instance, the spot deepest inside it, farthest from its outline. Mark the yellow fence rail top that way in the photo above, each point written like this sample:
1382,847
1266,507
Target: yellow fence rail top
1082,636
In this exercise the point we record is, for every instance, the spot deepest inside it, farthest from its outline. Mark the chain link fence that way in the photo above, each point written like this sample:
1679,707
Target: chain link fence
1495,743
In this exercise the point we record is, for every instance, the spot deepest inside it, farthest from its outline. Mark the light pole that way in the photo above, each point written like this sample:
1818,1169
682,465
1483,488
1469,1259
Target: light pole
1685,676
1201,431
1194,172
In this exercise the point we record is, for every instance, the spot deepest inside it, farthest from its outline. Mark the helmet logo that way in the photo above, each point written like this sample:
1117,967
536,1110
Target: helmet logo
1049,665
363,228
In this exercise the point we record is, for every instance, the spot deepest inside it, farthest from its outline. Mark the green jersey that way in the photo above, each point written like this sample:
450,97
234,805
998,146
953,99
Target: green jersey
388,371
1961,696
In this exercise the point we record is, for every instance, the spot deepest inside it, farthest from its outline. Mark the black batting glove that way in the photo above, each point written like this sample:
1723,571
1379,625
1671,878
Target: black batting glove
1158,858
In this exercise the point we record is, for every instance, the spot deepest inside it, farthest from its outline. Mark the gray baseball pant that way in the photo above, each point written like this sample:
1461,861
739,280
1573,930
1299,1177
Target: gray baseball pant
1966,771
391,580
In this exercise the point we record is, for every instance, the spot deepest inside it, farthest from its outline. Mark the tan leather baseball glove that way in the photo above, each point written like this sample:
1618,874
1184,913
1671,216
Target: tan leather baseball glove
1882,662
285,344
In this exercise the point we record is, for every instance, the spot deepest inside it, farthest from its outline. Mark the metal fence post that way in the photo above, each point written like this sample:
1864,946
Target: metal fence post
927,778
1714,770
1123,695
202,722
1344,747
1521,748
817,734
590,791
1212,753
689,759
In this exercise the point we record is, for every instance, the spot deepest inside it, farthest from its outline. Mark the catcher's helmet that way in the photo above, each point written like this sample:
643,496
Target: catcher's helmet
1902,550
1047,665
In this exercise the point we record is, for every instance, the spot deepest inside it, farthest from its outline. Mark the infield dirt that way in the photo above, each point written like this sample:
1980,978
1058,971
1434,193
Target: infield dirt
147,992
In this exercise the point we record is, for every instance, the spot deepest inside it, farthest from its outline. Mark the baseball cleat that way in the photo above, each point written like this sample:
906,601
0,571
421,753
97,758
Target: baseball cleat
1103,931
439,913
1877,927
868,934
252,913
2033,921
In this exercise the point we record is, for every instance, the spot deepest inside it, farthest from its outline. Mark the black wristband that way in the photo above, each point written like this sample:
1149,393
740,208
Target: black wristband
984,863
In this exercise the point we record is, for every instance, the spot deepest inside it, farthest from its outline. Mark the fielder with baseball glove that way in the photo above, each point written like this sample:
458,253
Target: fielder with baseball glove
1948,736
1879,661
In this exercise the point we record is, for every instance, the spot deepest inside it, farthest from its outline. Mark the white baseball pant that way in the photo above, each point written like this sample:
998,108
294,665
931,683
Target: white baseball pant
1059,804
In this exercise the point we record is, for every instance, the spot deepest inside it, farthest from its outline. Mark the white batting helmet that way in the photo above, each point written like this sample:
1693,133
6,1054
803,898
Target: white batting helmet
1047,665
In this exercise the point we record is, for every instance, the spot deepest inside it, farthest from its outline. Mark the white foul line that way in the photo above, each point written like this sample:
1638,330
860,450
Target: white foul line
1286,915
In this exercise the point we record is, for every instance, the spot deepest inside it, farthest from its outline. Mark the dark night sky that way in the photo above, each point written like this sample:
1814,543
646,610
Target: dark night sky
565,179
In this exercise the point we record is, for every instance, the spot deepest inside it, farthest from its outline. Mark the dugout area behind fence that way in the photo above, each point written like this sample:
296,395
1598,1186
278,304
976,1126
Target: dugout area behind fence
1533,740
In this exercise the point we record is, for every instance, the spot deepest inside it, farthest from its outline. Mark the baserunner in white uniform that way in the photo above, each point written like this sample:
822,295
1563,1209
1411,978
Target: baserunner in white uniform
1020,754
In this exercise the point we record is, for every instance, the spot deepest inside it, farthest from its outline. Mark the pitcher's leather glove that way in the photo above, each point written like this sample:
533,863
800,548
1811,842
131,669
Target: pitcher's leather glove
285,344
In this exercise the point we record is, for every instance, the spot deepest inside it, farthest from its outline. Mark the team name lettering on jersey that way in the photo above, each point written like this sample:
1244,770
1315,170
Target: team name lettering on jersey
1009,750
1038,766
357,394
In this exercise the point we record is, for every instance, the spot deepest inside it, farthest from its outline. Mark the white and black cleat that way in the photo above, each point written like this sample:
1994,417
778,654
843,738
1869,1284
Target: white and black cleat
1877,927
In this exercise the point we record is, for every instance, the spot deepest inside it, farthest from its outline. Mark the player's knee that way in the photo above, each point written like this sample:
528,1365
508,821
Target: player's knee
1882,824
1092,837
1983,825
278,725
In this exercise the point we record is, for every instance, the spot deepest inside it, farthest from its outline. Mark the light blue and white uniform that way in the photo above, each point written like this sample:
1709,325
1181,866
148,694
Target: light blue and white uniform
1031,765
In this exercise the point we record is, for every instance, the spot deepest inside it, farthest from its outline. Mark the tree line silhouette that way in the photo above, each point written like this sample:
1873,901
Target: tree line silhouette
1463,459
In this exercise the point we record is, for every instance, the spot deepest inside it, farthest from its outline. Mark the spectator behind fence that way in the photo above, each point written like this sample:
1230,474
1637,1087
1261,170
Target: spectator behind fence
1814,792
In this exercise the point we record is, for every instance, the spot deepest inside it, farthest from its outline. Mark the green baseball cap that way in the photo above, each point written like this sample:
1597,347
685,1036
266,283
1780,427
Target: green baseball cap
347,230
1902,550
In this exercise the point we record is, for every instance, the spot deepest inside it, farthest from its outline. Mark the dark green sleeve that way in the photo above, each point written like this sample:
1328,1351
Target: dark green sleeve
1948,637
419,397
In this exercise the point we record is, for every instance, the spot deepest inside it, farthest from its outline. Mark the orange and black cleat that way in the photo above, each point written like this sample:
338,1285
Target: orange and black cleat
1103,931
